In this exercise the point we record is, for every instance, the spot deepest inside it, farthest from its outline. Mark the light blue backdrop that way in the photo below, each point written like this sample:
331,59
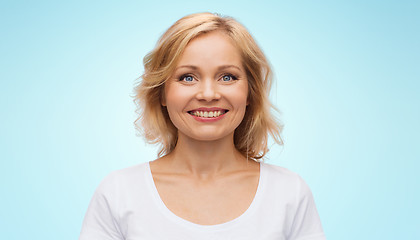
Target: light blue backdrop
347,85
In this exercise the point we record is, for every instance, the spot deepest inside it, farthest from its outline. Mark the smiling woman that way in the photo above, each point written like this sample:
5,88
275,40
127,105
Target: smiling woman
204,98
213,83
164,61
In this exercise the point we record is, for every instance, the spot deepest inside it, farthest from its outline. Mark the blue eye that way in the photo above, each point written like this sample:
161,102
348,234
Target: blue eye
186,78
228,77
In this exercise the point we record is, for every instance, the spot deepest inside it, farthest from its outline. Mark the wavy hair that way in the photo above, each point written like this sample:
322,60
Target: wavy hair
153,122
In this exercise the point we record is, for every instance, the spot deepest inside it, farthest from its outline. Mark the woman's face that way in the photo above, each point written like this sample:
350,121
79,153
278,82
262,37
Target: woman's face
206,97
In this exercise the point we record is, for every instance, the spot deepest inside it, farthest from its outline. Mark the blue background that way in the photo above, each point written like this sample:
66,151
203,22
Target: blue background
347,83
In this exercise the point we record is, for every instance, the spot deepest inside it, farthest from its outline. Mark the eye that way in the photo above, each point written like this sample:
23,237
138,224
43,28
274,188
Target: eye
186,78
228,77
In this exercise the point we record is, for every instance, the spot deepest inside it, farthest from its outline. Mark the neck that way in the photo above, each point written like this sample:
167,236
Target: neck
205,159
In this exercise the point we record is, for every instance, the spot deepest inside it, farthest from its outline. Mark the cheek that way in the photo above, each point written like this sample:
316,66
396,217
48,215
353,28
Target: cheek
242,100
241,96
171,94
175,98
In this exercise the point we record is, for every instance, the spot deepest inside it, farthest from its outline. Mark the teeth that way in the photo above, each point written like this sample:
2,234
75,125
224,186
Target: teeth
209,114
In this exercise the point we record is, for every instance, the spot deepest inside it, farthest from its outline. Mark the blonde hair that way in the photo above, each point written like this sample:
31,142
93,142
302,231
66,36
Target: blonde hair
251,136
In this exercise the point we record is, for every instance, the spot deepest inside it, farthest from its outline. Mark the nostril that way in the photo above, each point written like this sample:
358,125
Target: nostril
208,92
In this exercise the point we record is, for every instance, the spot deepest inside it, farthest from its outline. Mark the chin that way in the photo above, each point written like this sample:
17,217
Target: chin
209,136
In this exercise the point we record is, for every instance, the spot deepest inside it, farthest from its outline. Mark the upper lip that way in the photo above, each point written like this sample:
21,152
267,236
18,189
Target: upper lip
205,109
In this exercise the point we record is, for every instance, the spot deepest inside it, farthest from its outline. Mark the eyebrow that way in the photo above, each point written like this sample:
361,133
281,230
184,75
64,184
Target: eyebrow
219,68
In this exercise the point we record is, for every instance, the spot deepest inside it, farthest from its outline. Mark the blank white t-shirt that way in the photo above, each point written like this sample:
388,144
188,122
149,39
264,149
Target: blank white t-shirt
126,205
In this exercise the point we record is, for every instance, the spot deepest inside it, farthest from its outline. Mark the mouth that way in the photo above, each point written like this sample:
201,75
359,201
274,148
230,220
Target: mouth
208,113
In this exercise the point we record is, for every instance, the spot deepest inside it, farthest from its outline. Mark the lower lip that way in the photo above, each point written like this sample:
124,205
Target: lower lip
204,119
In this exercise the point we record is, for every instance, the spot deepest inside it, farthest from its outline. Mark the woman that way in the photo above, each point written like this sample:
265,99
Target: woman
204,98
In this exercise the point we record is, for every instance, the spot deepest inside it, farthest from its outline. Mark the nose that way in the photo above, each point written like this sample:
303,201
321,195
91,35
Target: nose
208,91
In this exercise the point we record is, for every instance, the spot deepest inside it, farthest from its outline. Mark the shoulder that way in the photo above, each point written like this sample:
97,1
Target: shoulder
284,181
292,197
122,179
281,174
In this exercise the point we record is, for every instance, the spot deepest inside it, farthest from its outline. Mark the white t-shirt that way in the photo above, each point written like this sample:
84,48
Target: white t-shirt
126,205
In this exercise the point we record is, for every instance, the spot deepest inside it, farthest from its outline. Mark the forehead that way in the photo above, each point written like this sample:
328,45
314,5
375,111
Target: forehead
211,50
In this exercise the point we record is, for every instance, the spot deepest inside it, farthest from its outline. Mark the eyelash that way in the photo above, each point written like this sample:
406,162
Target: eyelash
184,76
233,77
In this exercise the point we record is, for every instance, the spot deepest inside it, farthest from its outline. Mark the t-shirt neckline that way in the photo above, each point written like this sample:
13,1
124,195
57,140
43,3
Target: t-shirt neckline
194,226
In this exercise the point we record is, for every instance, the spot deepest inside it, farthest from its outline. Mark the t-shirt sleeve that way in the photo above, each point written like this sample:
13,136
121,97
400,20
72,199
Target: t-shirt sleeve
99,222
306,222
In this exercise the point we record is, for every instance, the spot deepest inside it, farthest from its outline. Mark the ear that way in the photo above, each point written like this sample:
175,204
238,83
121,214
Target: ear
163,100
162,97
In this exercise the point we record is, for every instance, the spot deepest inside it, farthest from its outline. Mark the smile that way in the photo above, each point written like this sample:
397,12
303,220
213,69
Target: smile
208,113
